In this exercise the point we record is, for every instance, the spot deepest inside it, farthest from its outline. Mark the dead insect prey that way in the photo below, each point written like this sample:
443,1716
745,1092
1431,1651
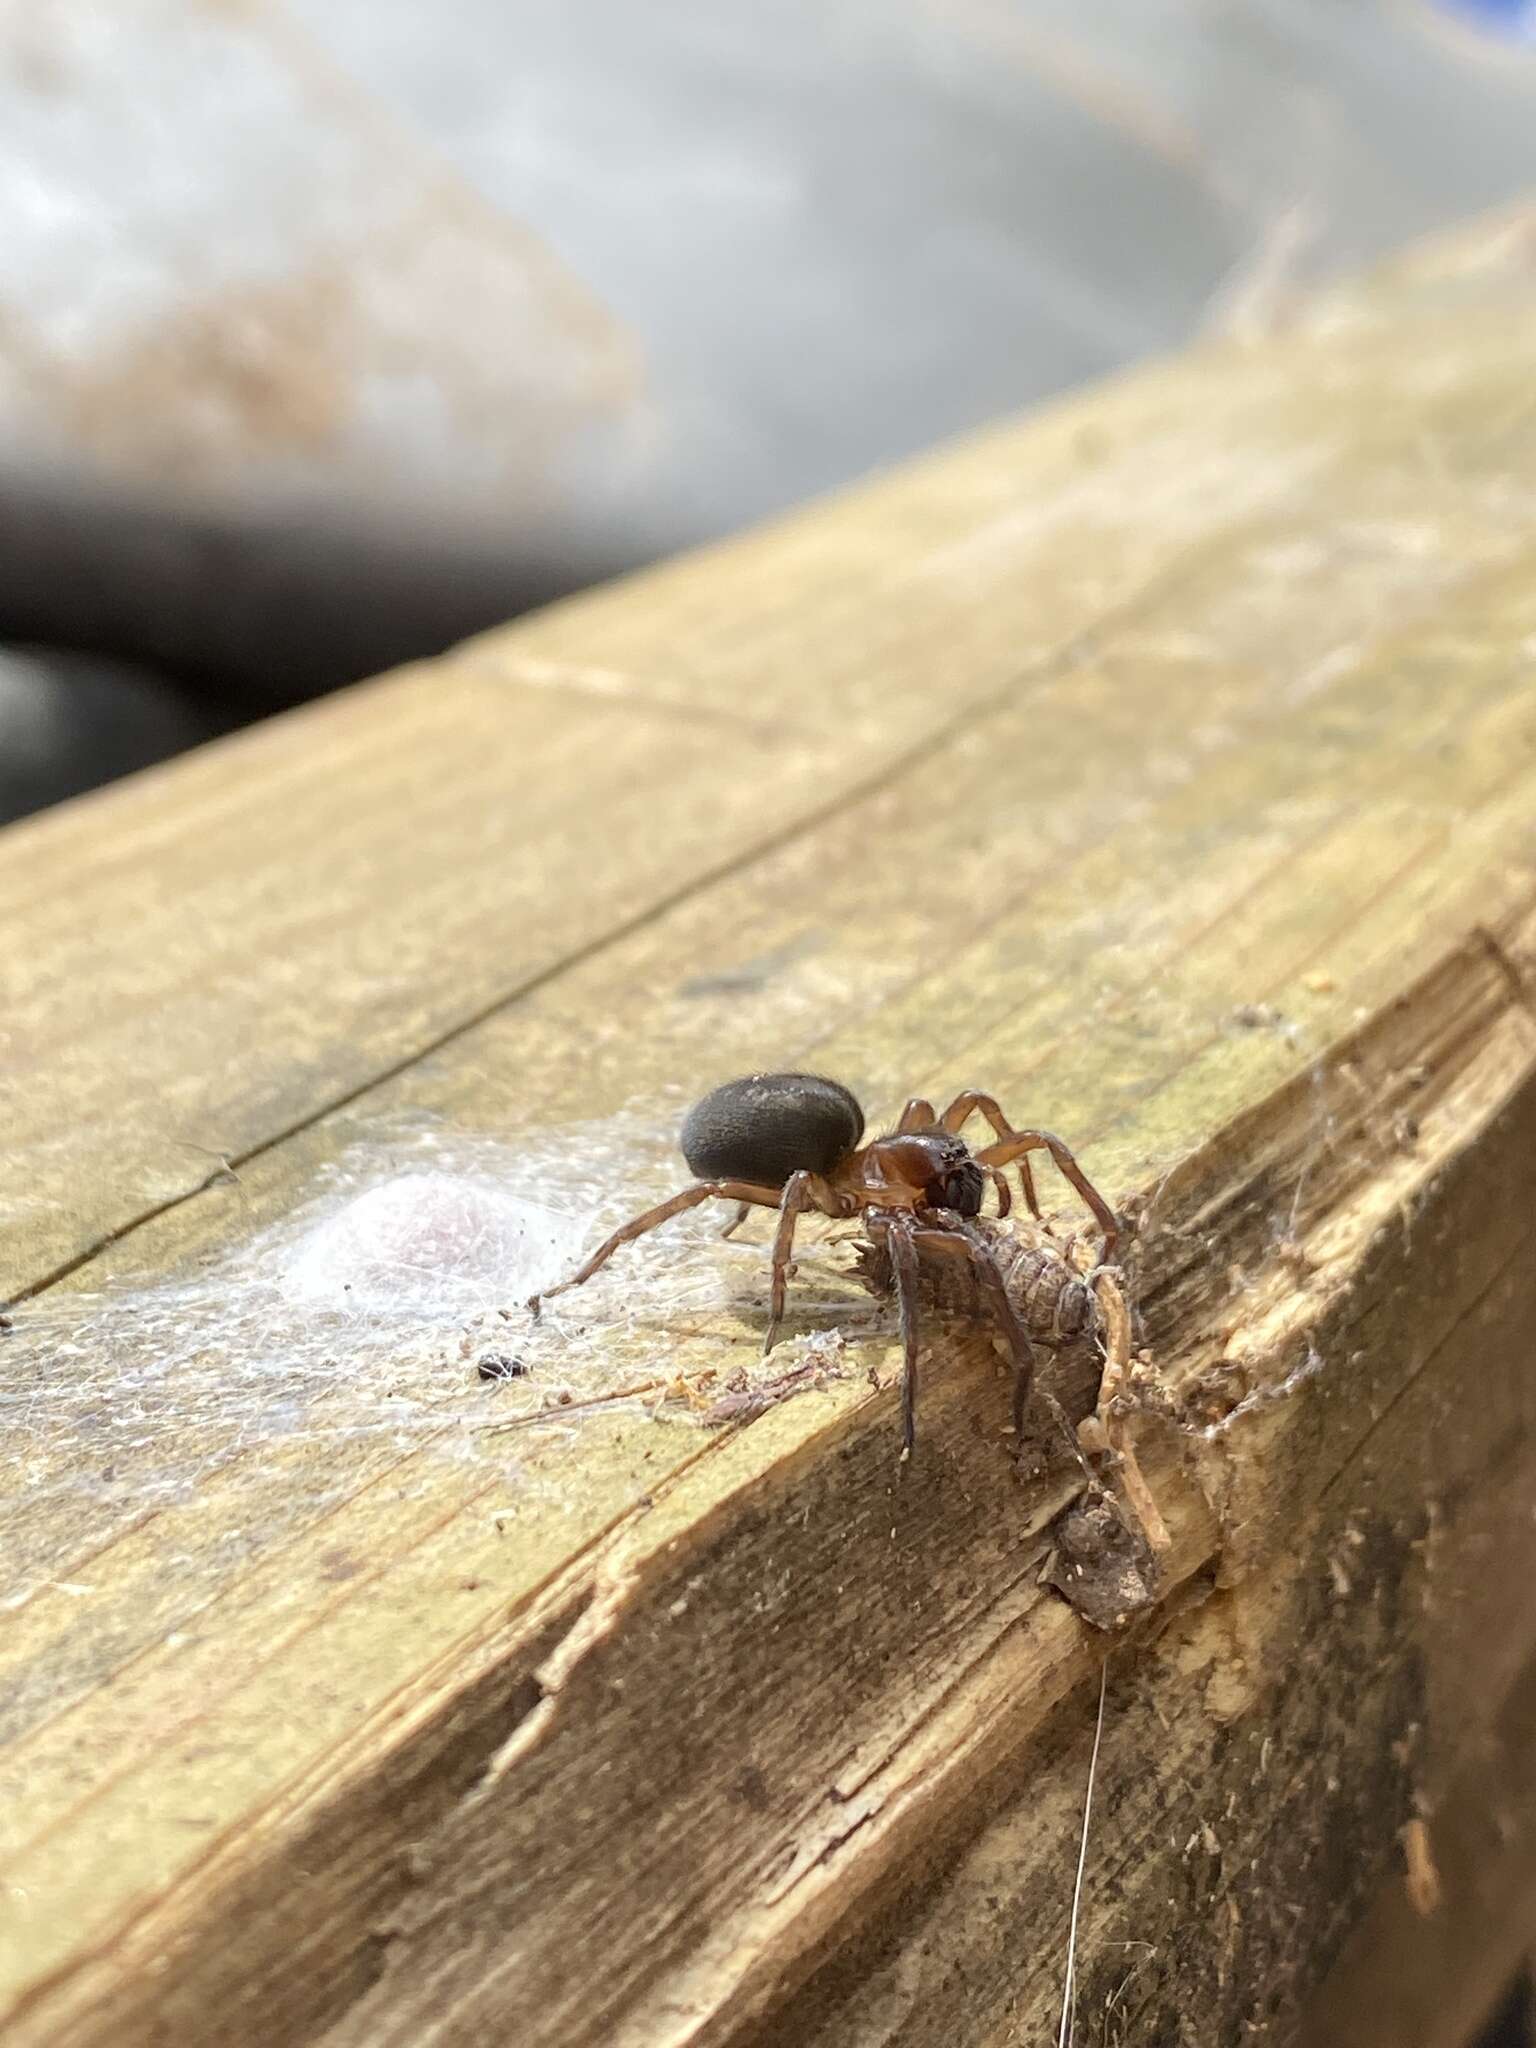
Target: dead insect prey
791,1142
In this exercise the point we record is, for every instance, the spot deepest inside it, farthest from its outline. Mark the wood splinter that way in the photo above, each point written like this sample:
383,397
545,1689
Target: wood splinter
1109,1423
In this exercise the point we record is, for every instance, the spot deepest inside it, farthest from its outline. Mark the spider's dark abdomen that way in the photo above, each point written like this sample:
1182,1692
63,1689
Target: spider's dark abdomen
765,1127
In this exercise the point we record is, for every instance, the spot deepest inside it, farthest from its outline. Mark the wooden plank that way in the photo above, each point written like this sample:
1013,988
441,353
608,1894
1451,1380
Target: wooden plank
1166,763
435,836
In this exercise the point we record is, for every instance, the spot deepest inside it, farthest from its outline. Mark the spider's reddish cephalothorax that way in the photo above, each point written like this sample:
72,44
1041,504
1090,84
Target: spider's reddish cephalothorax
790,1142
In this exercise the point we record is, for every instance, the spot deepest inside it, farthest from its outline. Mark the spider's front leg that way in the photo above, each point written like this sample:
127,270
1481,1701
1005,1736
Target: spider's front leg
919,1115
972,1102
959,1237
905,1235
900,1238
1018,1143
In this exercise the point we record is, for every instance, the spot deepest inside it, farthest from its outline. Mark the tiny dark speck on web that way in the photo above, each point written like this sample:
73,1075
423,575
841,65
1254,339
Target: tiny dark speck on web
500,1365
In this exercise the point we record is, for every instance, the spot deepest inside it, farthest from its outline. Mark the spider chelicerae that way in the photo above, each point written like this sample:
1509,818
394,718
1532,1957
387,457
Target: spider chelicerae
791,1142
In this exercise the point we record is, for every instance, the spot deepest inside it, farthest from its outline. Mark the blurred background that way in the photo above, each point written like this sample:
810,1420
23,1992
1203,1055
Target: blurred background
332,330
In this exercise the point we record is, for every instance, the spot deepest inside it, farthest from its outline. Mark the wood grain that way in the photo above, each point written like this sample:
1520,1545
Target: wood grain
1166,763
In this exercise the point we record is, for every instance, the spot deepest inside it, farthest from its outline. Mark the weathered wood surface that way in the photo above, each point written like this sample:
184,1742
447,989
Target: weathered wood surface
1167,763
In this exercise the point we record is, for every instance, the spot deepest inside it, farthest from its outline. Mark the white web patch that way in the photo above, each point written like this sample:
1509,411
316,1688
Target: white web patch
351,1334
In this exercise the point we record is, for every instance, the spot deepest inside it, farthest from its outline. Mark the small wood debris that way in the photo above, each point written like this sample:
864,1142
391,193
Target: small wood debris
1101,1565
1422,1877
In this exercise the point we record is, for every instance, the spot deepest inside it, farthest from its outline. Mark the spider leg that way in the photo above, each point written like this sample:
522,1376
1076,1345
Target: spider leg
971,1102
917,1116
802,1191
999,1181
744,1191
743,1210
900,1233
962,1238
964,1242
1006,1150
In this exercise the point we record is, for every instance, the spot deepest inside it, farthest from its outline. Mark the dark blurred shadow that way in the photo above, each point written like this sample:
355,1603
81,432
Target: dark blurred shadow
69,722
501,300
260,609
1514,2026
